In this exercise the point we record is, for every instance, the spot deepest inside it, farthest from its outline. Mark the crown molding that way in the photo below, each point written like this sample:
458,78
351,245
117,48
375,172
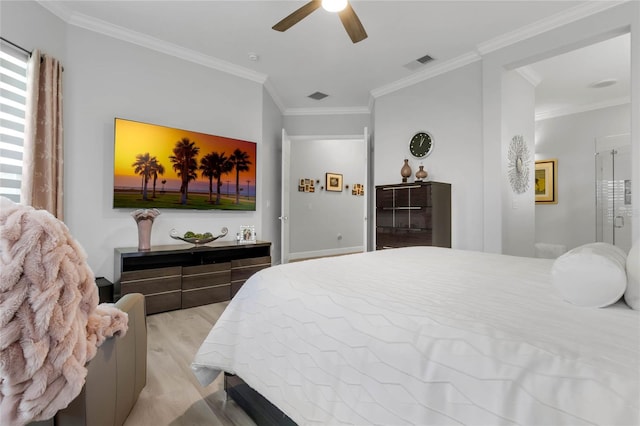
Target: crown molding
268,86
149,42
563,18
432,71
578,12
530,75
56,8
326,111
575,109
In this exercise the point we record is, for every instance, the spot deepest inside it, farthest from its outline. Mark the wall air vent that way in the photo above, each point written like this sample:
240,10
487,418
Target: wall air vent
318,95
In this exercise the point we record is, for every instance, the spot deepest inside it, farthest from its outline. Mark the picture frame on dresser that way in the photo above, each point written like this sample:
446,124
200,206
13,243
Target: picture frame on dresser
247,234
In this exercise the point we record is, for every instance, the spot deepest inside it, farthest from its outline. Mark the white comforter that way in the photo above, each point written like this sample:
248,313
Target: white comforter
427,336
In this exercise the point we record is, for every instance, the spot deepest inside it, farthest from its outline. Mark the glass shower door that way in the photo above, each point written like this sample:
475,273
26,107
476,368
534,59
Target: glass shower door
613,196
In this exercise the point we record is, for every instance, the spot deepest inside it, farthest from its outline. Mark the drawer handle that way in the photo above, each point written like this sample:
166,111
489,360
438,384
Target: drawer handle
204,288
207,273
150,279
250,266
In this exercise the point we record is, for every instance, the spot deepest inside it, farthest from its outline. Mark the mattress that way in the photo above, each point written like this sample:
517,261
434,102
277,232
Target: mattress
426,335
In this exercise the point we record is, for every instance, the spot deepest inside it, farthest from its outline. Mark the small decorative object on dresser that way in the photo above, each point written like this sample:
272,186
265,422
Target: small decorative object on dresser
144,219
247,234
405,171
197,239
421,174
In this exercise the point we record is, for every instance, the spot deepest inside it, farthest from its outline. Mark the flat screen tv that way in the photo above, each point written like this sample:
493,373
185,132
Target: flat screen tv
162,167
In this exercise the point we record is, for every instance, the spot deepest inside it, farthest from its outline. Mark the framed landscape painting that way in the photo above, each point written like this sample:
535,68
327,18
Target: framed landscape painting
163,167
546,181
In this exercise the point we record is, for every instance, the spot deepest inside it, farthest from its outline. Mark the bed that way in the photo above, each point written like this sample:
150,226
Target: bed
426,336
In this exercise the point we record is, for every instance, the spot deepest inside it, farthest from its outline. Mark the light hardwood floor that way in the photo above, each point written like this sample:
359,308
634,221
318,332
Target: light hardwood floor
172,395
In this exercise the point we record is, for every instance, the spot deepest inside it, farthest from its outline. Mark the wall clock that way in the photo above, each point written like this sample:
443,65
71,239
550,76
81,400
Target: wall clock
518,167
421,144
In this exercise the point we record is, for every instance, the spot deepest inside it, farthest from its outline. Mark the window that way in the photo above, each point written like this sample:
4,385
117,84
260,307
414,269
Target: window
13,96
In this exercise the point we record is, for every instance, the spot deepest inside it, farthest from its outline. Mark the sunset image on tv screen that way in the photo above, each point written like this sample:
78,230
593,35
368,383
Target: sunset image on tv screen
163,167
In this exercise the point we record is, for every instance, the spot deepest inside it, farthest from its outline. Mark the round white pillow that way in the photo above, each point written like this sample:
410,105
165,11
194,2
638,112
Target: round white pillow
632,295
592,275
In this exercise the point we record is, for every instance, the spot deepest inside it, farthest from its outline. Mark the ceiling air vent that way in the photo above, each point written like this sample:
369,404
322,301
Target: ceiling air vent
418,63
318,95
425,59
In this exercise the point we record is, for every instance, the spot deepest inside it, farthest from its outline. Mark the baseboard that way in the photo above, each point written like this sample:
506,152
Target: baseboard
325,253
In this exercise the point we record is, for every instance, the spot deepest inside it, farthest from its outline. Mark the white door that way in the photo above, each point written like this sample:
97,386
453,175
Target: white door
365,231
284,207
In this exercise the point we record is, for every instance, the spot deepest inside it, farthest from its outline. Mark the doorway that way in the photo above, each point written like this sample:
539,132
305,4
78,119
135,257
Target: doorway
318,220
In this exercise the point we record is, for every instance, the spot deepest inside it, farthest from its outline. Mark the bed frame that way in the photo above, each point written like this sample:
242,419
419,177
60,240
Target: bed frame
255,405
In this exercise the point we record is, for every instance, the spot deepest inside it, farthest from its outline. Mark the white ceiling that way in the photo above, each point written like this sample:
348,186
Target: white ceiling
317,55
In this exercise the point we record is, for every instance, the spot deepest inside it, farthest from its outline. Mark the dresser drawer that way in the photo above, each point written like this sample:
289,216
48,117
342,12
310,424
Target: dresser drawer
163,302
200,276
205,296
394,237
151,281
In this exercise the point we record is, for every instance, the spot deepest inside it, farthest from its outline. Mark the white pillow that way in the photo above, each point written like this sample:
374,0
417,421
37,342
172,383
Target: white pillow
592,275
632,295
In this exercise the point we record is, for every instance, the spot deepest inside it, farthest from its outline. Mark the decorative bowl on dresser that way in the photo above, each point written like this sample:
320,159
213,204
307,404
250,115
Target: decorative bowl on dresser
183,276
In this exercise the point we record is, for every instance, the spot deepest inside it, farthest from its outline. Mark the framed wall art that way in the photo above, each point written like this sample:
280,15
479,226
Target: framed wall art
334,182
546,181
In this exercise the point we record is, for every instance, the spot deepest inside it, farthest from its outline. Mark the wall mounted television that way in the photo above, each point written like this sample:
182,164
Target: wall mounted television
166,168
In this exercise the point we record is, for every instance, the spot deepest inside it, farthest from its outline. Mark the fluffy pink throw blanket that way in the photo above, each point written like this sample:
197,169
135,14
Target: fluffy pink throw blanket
50,320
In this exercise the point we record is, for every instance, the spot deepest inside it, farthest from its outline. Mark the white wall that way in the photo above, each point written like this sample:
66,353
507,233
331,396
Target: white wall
518,213
614,21
325,222
571,139
31,26
110,78
449,107
106,78
326,124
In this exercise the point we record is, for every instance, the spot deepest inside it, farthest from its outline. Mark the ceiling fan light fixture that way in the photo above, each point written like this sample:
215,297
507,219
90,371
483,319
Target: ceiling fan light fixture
334,5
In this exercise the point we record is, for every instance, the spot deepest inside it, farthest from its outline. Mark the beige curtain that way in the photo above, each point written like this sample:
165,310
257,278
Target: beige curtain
42,170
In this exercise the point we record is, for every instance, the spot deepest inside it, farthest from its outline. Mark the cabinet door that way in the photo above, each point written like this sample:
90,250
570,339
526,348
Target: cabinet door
162,287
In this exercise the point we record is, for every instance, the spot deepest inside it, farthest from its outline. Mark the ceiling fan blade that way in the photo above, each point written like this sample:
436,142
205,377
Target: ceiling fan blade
297,16
352,24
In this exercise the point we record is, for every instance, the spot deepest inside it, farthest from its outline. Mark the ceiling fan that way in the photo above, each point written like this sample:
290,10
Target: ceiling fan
348,16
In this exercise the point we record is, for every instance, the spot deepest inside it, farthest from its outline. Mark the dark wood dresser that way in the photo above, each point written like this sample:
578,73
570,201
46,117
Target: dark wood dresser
413,214
183,276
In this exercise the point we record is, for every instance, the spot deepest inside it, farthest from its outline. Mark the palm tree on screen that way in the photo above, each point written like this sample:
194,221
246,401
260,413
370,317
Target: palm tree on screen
156,169
240,160
142,166
185,164
213,166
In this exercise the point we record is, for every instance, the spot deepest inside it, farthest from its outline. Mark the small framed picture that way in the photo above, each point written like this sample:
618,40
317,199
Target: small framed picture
247,234
546,181
334,182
